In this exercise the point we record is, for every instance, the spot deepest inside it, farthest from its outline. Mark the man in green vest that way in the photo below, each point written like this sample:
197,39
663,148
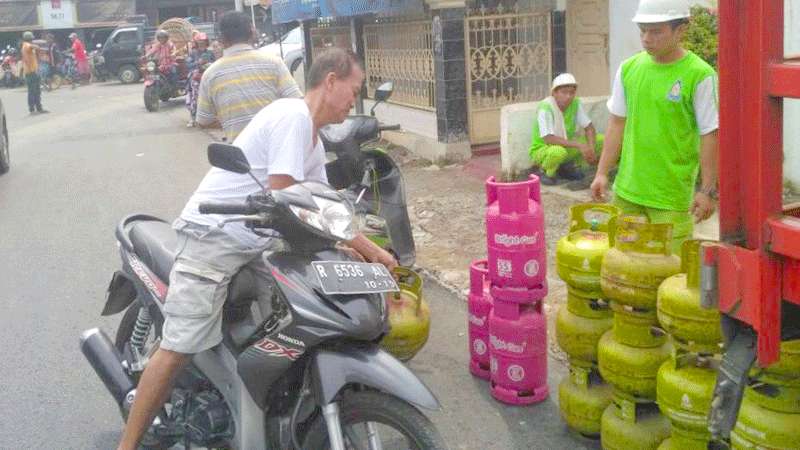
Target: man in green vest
564,139
663,126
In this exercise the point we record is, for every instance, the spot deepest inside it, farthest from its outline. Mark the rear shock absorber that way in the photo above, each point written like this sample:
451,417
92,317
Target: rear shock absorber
141,329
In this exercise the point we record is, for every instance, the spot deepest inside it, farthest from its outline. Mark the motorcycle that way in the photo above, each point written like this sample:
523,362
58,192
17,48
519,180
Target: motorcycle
12,70
160,85
299,366
67,70
371,179
97,65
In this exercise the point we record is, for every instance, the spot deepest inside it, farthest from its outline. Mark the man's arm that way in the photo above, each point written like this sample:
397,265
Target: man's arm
704,205
612,147
552,139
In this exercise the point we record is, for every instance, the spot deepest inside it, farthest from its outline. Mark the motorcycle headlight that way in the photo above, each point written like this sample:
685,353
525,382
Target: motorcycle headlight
333,217
151,66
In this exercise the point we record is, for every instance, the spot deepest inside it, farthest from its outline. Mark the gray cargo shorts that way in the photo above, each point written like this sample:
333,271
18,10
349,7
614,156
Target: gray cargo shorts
206,260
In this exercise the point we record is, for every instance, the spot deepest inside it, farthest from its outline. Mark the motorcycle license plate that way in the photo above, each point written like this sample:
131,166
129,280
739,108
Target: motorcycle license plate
347,277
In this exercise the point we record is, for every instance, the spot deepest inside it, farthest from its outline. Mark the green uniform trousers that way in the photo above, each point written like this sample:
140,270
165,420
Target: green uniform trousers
550,157
682,221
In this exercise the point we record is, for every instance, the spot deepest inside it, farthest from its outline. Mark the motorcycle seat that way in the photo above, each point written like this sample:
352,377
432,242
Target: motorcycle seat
155,243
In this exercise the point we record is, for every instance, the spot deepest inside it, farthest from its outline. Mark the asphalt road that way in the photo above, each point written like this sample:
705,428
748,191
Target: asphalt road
74,173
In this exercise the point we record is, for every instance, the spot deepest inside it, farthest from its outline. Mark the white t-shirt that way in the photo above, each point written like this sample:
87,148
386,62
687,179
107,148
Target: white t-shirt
704,103
547,121
278,141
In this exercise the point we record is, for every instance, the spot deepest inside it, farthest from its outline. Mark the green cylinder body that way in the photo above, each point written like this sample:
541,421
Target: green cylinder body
631,370
637,328
579,254
582,398
768,421
579,326
685,388
693,328
644,431
638,263
787,370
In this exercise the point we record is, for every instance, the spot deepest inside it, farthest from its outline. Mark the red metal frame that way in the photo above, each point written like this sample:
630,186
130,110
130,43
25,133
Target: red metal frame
759,260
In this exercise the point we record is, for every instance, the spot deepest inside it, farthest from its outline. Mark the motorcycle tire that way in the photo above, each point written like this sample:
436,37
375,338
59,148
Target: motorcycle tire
383,409
55,81
151,100
5,151
121,340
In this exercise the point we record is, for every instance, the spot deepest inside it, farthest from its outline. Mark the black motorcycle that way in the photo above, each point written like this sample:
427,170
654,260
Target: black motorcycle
370,178
160,85
299,366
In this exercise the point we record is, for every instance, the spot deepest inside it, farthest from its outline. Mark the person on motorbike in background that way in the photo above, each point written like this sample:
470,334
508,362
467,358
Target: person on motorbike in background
200,57
81,59
283,145
164,52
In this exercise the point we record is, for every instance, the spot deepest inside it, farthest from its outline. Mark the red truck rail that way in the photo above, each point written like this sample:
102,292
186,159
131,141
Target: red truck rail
753,275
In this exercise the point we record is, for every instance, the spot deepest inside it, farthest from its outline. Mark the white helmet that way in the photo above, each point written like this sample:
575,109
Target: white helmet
565,79
660,11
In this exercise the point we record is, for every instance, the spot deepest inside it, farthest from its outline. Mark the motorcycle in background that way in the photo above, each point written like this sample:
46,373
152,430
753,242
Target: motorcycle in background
97,65
11,67
160,85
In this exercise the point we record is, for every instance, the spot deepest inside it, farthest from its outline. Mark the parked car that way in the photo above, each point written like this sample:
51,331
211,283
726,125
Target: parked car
291,44
5,152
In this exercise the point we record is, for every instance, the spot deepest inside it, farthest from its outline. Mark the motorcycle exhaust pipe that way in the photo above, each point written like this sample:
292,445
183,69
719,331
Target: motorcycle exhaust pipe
107,363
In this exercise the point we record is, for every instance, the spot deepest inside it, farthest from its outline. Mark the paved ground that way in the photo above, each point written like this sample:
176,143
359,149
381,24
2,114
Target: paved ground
99,156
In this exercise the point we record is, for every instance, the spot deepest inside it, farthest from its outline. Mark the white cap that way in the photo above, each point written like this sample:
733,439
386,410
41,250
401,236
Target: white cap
660,11
565,79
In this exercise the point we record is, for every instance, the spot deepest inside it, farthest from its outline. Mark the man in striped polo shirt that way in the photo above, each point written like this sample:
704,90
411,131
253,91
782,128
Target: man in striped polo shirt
238,85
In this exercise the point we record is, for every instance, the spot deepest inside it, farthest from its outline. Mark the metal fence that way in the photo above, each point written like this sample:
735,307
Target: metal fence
401,52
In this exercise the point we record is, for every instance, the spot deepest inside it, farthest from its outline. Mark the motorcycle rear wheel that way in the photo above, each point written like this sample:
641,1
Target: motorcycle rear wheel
380,409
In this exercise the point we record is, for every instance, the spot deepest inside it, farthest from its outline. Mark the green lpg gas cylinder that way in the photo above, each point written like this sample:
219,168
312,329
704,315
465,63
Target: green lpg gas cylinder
582,398
631,370
637,328
685,388
409,316
769,418
787,369
625,427
580,253
579,325
638,262
692,327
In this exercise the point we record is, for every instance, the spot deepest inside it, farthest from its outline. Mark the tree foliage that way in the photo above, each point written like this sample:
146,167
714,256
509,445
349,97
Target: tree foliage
702,36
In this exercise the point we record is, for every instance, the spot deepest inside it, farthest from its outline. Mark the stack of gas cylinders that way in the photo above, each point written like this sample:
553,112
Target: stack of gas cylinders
583,396
631,353
770,413
686,380
507,326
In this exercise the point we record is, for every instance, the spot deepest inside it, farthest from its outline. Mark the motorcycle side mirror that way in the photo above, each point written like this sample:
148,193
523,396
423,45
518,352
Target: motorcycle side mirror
382,94
228,157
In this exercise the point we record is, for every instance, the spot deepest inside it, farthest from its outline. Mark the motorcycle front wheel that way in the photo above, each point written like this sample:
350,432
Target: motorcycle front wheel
375,420
151,100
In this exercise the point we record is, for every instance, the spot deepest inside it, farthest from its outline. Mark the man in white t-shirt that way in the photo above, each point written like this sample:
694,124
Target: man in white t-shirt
283,147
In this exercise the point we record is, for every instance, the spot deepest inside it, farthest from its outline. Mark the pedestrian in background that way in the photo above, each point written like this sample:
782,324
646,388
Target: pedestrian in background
30,69
81,60
663,126
238,85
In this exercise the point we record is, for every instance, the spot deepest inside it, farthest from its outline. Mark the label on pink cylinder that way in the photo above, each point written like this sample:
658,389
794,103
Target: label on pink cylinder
515,234
518,354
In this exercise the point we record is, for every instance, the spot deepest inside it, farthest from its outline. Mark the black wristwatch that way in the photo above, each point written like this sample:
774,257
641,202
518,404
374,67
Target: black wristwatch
711,192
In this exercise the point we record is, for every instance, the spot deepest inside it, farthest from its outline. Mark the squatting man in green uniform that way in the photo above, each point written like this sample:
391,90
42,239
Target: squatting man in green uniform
663,124
564,139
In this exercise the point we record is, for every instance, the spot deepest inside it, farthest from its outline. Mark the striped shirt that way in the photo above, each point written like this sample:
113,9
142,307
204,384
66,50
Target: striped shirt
238,85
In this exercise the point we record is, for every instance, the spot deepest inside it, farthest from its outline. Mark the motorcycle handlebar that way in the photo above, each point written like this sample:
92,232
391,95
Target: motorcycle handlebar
389,127
225,208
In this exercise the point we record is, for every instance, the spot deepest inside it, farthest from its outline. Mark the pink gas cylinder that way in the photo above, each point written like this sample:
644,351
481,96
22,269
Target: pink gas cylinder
479,305
515,239
518,352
